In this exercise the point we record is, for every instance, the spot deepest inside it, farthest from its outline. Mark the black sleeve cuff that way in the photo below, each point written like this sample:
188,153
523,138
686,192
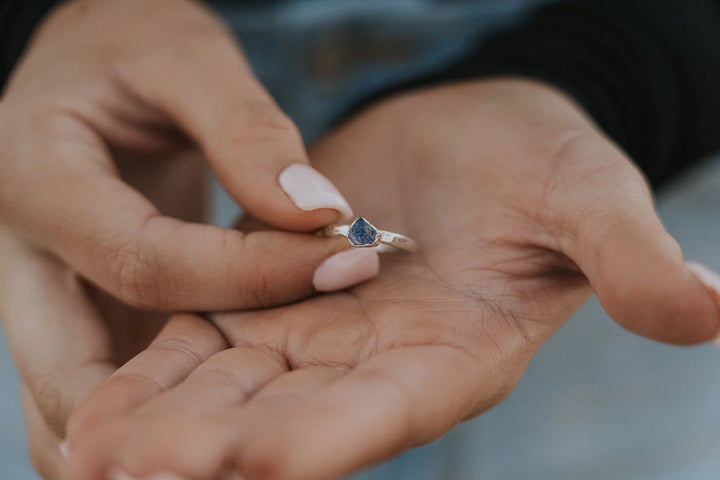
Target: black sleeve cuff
18,19
647,71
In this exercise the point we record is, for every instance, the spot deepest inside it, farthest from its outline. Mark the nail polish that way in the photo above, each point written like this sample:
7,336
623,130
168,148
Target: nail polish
711,281
165,476
346,268
118,474
64,449
310,190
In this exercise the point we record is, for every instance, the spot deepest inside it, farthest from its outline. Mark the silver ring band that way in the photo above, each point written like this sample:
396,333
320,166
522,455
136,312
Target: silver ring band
363,234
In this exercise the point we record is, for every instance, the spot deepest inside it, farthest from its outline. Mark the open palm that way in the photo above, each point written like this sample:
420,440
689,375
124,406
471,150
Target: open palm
520,207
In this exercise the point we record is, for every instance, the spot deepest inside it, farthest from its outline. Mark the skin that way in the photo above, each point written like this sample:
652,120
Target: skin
67,336
105,127
521,207
95,84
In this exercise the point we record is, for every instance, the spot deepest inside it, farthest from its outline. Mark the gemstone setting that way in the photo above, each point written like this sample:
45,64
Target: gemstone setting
362,233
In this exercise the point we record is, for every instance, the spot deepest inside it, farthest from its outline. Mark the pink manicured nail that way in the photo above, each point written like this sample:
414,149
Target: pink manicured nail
65,449
118,474
711,281
165,476
346,268
310,190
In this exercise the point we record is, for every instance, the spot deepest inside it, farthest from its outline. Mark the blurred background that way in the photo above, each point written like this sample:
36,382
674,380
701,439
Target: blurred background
596,402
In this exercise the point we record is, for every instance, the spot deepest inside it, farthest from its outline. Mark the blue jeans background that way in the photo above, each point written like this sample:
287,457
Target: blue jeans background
596,402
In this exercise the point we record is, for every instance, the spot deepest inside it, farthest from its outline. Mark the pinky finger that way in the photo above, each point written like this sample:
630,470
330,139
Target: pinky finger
182,346
324,427
43,443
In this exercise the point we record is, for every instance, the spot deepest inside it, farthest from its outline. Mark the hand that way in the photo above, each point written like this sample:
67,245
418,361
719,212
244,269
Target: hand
66,336
520,207
105,100
102,77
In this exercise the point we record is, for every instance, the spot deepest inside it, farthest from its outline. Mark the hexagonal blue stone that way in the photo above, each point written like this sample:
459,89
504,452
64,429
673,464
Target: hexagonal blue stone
362,233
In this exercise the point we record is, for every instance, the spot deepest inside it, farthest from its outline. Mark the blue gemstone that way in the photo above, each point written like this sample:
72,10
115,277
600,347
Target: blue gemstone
362,233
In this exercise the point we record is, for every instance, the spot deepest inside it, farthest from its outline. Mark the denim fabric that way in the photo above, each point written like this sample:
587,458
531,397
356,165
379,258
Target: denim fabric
318,57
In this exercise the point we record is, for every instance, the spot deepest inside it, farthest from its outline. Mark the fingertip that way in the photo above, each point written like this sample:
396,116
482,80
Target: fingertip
346,268
103,403
710,280
79,424
91,455
643,283
672,309
310,190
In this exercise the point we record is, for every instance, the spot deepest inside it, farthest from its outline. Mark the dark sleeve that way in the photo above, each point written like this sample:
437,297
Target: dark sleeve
647,71
18,19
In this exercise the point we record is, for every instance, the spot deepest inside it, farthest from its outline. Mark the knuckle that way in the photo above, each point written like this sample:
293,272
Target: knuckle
267,116
226,379
342,344
585,167
256,283
574,146
182,347
256,278
260,294
255,121
49,399
135,275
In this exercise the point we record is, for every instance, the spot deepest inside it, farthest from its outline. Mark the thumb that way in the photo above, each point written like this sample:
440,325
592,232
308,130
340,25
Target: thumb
635,267
113,236
256,151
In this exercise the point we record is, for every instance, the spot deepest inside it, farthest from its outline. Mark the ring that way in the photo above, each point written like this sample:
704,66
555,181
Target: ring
361,233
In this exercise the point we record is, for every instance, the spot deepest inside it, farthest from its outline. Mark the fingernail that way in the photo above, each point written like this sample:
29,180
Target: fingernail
711,281
346,268
310,190
165,476
119,474
65,449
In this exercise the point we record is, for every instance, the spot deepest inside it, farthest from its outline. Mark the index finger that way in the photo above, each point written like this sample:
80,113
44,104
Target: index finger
322,427
56,337
116,238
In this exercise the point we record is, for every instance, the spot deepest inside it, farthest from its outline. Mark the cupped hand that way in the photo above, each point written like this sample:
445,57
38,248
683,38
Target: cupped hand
66,336
105,102
102,77
521,207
